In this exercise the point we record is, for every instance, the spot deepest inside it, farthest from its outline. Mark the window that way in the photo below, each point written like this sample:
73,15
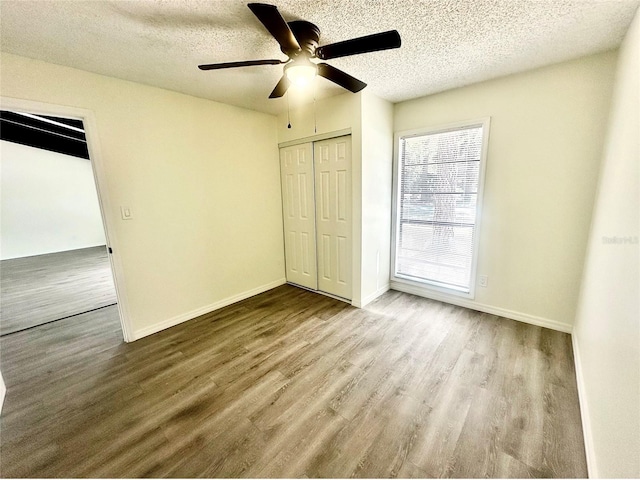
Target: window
437,193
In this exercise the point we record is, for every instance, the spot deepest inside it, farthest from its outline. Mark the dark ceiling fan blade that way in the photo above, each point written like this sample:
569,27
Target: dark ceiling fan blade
248,63
281,87
341,78
370,43
277,26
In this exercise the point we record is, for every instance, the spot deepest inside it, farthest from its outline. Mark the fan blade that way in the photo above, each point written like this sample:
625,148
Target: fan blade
248,63
341,78
370,43
281,87
276,25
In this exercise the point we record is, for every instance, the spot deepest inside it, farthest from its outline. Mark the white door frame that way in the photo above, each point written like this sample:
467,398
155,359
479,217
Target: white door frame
99,176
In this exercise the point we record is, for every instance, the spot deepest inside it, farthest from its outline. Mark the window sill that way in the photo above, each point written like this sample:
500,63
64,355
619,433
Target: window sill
430,287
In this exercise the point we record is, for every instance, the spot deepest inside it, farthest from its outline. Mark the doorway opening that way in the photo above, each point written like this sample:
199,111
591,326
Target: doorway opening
54,253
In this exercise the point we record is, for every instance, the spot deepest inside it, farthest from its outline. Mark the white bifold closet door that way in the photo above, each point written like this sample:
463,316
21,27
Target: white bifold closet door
332,159
296,167
317,215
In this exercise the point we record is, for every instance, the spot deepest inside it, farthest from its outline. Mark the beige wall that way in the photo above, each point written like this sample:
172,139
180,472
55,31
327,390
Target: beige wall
546,137
377,164
607,330
370,121
201,179
334,114
328,115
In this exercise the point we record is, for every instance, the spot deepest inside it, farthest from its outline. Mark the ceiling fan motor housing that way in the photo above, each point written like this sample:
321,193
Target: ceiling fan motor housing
308,36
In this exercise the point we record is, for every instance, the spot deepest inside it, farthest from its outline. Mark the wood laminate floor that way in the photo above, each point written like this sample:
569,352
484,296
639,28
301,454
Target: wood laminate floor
294,384
39,289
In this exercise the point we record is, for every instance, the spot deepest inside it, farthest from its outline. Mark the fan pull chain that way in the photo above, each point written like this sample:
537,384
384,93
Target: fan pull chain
315,120
288,112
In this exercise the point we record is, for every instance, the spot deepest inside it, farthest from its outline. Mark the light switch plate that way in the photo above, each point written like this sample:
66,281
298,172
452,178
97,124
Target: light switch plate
126,214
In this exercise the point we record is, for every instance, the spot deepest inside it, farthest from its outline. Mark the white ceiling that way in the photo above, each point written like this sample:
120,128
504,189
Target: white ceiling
445,43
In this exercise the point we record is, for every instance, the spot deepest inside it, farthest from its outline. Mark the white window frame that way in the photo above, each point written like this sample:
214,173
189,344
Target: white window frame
426,285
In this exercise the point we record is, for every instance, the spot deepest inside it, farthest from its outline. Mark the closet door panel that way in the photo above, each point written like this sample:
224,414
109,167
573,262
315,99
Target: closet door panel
298,206
332,163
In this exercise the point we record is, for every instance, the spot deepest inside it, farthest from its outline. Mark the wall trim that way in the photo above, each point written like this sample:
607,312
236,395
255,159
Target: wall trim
370,298
316,138
3,392
172,322
584,411
503,312
320,292
102,244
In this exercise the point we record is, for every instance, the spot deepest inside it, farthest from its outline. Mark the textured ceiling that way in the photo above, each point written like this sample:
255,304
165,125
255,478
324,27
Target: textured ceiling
445,43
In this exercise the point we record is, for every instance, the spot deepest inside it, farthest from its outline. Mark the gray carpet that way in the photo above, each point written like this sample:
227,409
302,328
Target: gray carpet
40,289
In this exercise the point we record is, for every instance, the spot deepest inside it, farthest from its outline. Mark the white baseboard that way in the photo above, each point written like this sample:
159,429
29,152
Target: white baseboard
172,322
584,412
3,392
370,298
503,312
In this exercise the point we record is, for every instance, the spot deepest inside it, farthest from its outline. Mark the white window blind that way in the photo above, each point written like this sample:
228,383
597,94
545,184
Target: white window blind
438,183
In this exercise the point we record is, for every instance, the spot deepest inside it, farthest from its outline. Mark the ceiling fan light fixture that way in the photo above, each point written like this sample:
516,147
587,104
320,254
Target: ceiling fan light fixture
299,40
301,72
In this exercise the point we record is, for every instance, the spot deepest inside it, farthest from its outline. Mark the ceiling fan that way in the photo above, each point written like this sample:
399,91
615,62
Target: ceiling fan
299,41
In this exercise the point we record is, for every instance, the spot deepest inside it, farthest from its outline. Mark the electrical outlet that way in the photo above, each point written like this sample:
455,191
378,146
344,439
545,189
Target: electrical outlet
483,280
